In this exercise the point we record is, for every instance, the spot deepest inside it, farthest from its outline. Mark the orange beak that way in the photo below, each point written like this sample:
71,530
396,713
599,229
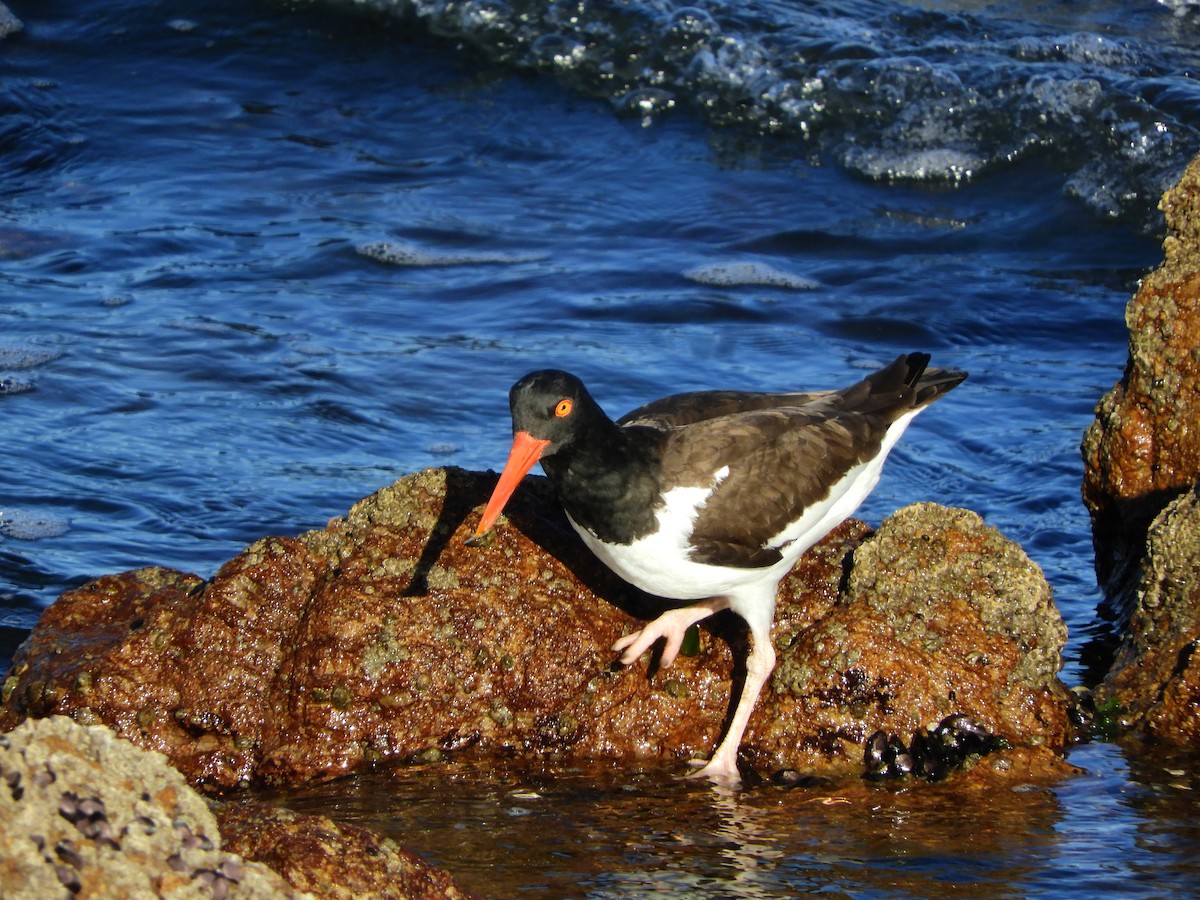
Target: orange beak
526,450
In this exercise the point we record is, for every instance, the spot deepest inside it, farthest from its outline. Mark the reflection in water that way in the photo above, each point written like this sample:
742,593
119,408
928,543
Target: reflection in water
1165,794
531,830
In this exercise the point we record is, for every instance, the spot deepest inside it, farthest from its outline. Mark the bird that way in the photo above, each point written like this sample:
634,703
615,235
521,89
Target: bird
707,499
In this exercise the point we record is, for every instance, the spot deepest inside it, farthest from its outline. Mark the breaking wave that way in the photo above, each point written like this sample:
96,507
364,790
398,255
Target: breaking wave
891,92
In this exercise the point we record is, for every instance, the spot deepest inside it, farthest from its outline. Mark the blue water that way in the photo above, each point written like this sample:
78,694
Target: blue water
258,260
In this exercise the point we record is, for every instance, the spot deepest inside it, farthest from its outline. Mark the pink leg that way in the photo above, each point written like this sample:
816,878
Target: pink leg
672,625
722,768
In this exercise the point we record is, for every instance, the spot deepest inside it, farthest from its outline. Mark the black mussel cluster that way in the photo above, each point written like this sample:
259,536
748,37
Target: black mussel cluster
931,755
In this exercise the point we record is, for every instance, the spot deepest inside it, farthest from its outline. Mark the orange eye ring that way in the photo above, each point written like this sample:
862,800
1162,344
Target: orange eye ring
563,409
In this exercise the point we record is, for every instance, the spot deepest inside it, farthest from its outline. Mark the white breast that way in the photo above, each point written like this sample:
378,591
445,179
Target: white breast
659,563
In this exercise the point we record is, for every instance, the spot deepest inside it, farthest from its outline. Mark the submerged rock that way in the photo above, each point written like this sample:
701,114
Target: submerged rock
1155,680
9,24
1143,448
84,812
383,637
339,862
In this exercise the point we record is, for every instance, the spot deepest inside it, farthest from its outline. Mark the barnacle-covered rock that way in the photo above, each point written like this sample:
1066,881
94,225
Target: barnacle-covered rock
1143,449
941,615
331,860
88,812
385,637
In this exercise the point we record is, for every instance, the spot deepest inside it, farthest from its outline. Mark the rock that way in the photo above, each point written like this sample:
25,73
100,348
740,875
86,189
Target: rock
85,812
1143,449
1155,680
1142,457
941,615
340,862
384,637
166,663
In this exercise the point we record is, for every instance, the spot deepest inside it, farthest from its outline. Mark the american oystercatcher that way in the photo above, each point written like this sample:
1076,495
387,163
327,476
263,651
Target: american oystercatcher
711,497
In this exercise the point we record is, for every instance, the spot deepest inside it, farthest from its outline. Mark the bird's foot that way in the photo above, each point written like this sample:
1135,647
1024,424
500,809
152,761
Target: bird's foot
671,626
719,771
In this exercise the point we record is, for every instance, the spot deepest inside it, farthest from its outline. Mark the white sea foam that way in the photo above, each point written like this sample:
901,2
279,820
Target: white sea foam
398,253
1181,7
735,273
918,95
24,525
933,163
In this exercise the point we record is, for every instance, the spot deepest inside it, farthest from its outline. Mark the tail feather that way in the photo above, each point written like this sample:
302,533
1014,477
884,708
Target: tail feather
906,384
916,363
930,383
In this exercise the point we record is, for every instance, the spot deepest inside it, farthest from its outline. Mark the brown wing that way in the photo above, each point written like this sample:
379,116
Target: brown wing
783,460
698,406
899,387
780,463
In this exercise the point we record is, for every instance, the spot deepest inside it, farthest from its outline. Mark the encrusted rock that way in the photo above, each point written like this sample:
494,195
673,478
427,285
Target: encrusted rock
1143,449
942,615
384,637
1155,681
83,812
1141,453
339,862
169,662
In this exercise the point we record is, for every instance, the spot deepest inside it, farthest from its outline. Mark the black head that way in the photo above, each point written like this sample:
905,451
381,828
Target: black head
552,406
550,411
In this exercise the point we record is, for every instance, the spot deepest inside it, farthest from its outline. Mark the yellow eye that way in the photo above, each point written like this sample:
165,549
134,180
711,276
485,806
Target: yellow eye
563,409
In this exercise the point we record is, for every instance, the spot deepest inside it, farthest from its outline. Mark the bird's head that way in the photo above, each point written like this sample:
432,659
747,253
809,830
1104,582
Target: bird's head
550,407
549,411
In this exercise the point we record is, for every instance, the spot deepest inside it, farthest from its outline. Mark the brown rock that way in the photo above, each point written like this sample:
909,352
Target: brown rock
339,862
168,662
1141,453
1144,446
1155,679
941,615
384,637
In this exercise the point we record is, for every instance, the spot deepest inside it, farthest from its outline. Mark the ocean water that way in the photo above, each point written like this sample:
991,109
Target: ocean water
259,259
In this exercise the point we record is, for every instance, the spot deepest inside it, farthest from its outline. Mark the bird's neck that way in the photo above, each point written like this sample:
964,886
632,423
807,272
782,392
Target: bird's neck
606,481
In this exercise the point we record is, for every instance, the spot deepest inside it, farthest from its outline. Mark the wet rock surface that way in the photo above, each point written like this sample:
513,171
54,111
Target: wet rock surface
1154,683
1142,457
1143,449
383,637
329,860
941,615
85,813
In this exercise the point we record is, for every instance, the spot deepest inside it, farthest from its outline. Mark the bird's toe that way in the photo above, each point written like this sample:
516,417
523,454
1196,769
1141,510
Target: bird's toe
715,771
